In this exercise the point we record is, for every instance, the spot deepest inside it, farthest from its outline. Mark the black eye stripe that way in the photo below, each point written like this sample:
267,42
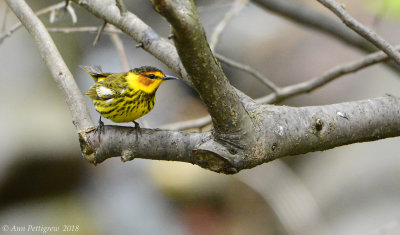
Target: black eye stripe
151,76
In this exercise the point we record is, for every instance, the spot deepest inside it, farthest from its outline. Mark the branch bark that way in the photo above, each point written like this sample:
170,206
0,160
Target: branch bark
231,123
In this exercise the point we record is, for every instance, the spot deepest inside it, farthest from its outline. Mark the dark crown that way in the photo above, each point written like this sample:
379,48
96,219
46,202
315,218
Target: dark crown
145,69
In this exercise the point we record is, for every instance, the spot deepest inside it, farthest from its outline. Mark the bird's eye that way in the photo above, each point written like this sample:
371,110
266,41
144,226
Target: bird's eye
151,76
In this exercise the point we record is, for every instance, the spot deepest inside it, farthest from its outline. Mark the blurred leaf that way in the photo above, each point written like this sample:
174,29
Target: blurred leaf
384,8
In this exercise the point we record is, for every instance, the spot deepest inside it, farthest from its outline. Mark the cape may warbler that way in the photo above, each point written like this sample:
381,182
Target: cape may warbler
125,97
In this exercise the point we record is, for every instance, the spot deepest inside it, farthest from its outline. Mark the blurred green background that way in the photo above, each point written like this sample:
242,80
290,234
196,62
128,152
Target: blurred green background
44,180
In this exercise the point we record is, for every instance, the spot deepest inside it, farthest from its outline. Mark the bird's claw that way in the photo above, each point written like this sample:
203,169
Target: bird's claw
137,130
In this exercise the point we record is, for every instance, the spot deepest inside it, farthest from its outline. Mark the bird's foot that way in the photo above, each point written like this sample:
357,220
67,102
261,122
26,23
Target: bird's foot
137,130
100,128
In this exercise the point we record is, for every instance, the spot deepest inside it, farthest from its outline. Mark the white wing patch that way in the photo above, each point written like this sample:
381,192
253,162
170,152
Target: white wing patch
110,100
104,92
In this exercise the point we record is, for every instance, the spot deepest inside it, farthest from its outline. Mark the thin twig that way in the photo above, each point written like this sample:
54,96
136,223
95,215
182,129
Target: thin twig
72,13
363,31
116,40
88,29
325,78
121,6
18,25
300,13
57,14
66,3
250,70
99,31
237,6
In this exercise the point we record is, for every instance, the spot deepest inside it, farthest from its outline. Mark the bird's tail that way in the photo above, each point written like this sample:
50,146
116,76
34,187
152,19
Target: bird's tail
94,71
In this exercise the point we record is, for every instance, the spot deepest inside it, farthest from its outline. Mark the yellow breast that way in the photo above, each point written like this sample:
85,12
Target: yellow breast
126,109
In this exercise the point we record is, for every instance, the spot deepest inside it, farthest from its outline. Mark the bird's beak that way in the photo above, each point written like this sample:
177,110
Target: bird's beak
169,78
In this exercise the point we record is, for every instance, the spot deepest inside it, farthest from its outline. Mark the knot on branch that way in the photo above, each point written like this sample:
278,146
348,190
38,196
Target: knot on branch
321,124
216,157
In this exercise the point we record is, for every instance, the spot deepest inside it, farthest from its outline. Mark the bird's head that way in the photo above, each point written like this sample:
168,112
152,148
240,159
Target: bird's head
147,78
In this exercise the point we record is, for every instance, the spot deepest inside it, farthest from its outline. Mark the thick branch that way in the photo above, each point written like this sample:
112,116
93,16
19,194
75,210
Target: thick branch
307,129
55,63
227,112
118,141
283,131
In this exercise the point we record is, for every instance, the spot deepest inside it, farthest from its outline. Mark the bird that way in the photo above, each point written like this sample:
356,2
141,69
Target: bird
127,96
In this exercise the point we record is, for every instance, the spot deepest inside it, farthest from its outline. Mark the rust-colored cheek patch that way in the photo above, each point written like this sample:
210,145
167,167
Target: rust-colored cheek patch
145,80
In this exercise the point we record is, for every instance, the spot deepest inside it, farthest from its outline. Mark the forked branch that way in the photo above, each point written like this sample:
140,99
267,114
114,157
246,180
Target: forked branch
278,131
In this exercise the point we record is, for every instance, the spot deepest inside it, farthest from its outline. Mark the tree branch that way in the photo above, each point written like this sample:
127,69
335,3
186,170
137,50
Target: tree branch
230,120
316,128
300,13
55,63
363,31
283,131
312,84
237,6
264,80
119,46
121,141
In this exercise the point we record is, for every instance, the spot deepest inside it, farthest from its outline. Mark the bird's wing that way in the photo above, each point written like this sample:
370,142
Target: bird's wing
110,87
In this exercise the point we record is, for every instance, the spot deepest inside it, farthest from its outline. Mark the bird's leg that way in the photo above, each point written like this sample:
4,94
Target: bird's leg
138,130
100,128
